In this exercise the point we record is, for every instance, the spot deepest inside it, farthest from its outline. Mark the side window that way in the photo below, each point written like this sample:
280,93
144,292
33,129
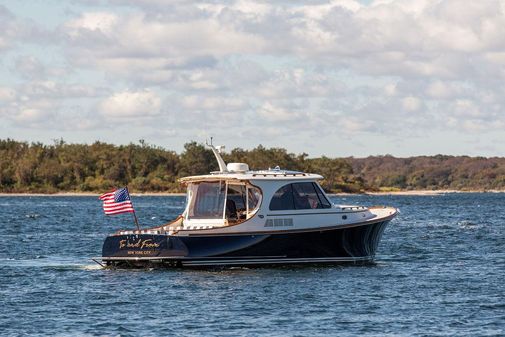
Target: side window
324,202
305,196
253,198
236,195
282,199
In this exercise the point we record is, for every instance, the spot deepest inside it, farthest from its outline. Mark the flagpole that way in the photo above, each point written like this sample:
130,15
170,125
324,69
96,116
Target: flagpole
134,215
136,220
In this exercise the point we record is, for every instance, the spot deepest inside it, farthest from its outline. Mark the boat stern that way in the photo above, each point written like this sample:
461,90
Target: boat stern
136,249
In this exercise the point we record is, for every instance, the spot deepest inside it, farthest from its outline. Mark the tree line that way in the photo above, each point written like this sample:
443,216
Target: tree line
98,167
440,172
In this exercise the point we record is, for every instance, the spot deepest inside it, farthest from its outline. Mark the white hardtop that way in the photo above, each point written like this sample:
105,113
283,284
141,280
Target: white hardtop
241,172
254,175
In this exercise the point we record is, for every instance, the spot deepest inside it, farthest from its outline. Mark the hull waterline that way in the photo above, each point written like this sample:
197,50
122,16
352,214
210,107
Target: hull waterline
356,244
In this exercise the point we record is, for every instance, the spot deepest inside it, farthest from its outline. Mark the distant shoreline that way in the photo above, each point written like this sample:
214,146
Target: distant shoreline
422,192
66,169
418,192
85,194
164,194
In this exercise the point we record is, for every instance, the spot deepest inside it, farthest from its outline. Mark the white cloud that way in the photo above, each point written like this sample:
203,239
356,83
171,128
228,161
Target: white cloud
466,108
7,95
274,113
29,67
298,82
411,103
140,38
390,89
290,68
91,21
212,103
10,28
439,89
350,125
31,115
416,38
54,89
131,104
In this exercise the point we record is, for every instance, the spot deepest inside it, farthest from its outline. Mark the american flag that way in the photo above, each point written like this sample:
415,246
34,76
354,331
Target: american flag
117,202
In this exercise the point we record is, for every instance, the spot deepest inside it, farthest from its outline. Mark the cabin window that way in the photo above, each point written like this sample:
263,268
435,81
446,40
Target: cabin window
306,195
324,202
241,201
207,200
235,202
253,200
283,199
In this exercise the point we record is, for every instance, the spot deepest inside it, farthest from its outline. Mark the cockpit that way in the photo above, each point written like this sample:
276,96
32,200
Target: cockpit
221,202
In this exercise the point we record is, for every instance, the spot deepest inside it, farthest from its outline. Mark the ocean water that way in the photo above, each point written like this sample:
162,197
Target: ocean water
440,271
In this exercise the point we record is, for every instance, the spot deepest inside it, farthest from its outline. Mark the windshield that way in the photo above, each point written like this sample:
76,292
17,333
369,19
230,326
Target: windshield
206,200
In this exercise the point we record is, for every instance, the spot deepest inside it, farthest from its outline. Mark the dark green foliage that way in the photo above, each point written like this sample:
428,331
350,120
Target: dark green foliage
195,160
338,174
262,158
76,167
431,173
99,167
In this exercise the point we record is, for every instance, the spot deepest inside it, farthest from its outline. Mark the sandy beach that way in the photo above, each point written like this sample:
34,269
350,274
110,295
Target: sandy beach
420,192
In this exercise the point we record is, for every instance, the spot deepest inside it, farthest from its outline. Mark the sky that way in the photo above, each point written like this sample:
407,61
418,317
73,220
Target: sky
336,78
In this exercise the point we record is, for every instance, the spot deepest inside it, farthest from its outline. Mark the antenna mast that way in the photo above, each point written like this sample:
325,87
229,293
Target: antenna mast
216,151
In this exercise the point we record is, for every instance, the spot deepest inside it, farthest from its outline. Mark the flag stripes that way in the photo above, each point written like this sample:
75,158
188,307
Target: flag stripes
117,201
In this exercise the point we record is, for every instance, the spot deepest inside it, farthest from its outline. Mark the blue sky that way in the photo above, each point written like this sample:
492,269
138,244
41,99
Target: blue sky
339,78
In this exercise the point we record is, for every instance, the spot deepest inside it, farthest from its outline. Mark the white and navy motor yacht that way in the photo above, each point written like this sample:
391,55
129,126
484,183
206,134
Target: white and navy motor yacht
239,217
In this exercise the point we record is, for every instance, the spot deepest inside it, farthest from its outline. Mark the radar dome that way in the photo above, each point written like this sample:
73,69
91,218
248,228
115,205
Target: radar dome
237,167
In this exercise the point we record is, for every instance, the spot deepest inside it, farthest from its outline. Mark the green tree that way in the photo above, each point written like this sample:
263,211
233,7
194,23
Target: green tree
195,160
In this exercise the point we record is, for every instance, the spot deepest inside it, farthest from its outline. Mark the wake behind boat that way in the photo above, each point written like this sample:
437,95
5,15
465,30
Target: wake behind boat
239,217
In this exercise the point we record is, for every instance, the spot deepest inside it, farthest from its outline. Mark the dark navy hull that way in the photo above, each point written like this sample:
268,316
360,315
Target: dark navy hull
356,244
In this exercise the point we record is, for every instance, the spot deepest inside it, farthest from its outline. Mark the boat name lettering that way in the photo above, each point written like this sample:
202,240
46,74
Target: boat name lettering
140,252
148,243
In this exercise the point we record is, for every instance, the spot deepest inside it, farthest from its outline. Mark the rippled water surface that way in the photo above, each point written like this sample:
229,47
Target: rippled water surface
440,271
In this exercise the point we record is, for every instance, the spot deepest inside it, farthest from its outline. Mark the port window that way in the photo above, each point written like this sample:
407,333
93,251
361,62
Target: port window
305,196
322,198
236,202
242,201
283,199
253,200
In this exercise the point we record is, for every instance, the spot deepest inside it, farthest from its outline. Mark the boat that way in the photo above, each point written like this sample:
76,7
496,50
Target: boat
240,217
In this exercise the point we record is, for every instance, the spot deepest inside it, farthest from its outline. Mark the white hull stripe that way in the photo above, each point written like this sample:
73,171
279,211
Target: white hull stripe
148,231
274,261
231,262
